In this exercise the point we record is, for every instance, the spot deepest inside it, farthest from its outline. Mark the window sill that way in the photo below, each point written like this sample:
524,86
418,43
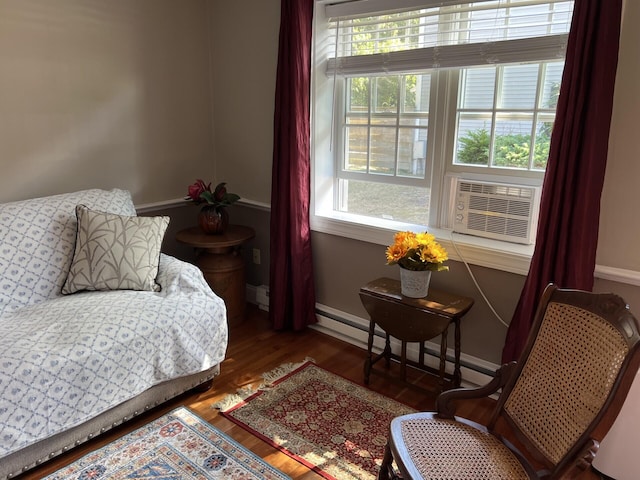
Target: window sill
504,256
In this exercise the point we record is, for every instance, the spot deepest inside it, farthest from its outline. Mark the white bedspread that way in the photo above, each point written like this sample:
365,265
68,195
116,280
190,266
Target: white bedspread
68,359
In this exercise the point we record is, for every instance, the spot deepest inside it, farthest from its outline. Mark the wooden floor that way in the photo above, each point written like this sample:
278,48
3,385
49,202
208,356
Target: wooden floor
254,349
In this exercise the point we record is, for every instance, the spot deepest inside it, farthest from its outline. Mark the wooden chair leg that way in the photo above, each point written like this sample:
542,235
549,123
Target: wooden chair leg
386,469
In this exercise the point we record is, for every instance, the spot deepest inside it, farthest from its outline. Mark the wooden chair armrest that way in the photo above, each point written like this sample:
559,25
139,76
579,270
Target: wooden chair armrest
444,401
581,461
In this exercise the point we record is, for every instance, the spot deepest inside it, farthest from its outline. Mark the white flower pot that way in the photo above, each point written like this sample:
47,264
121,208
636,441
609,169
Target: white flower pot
414,284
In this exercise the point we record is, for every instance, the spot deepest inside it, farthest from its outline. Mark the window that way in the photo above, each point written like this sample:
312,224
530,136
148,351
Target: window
407,99
385,136
505,115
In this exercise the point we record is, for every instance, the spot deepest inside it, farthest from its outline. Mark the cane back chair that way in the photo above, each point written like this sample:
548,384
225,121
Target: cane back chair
557,402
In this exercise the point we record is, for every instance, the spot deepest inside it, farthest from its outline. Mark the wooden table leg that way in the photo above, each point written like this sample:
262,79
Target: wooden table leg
367,362
457,374
387,351
403,361
443,358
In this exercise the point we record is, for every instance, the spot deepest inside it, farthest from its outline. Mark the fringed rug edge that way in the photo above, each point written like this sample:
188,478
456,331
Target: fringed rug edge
270,379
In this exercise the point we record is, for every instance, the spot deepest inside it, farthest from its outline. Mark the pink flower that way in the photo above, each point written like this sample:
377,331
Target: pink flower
201,192
197,189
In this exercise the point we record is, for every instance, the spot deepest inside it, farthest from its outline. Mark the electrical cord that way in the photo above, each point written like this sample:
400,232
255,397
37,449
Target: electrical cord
476,282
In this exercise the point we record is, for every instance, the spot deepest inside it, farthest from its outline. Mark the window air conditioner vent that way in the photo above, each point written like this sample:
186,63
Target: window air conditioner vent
493,210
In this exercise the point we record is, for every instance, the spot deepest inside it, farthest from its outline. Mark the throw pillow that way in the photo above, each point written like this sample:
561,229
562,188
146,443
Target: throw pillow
115,252
37,238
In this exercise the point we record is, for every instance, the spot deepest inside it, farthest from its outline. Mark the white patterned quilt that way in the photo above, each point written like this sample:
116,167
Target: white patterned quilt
65,360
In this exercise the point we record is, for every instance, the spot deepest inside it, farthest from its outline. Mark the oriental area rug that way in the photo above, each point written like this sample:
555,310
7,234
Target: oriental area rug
176,446
335,427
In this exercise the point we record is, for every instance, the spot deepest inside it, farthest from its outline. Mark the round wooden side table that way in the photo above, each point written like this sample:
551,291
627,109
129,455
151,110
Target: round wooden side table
218,256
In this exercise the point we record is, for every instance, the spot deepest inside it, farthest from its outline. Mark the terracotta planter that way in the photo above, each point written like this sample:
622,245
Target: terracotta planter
213,220
414,284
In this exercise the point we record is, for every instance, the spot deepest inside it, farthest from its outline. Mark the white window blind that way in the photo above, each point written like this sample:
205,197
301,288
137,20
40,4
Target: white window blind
426,34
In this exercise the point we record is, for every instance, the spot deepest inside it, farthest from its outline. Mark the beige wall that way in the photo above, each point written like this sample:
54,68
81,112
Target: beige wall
104,93
244,79
620,215
143,95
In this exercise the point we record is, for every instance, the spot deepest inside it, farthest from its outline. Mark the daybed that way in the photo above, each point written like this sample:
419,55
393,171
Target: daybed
96,326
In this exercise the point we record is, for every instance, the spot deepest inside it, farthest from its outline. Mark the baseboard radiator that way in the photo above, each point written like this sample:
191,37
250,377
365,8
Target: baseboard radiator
355,330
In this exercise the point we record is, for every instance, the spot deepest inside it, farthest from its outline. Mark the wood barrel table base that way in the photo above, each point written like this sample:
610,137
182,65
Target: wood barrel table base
218,257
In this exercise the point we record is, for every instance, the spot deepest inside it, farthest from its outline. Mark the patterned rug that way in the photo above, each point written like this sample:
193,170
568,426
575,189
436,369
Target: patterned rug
177,446
330,424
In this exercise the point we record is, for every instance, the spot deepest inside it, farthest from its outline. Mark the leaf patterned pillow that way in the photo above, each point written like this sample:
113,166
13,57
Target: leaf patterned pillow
115,252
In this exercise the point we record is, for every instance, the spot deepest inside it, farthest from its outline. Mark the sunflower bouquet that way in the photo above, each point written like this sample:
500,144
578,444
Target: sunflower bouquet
417,251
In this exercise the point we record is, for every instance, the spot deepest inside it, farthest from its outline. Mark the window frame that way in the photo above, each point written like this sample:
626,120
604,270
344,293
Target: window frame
398,126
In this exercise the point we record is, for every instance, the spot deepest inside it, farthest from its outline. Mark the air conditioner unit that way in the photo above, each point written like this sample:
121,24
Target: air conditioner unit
505,212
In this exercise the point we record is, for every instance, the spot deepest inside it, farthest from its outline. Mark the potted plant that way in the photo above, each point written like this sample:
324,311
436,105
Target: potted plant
417,254
213,216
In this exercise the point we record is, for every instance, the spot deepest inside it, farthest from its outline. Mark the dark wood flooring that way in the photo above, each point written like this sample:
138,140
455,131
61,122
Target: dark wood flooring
254,349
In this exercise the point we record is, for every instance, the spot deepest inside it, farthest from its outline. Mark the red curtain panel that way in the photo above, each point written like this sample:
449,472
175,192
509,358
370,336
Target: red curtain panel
291,285
570,206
